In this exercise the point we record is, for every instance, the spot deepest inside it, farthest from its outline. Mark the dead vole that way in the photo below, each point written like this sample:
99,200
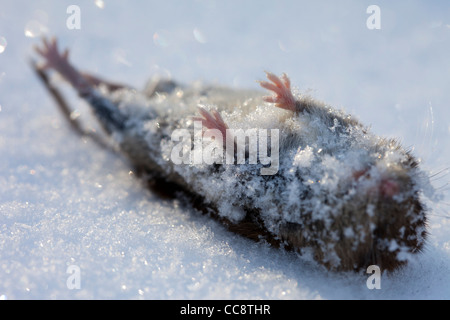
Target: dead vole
285,169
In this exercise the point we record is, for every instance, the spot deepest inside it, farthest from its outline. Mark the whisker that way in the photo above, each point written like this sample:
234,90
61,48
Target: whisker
439,215
446,170
425,134
445,204
439,178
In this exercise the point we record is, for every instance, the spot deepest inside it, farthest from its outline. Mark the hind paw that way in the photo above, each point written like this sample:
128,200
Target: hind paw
58,61
283,97
53,58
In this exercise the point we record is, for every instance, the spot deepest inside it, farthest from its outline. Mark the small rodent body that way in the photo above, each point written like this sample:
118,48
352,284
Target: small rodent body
336,192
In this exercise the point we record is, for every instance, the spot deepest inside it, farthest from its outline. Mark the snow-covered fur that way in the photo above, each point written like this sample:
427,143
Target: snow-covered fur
341,194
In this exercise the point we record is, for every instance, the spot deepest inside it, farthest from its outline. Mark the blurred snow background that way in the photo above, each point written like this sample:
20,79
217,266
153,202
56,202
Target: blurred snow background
64,201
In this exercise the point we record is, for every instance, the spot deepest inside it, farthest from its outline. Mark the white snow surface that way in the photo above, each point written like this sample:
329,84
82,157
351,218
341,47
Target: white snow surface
65,202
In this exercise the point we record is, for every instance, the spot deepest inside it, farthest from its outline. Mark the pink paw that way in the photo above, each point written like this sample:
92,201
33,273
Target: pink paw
282,88
60,62
212,120
53,58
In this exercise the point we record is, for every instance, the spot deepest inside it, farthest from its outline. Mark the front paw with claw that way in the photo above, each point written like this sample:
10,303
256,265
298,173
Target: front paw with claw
283,97
212,120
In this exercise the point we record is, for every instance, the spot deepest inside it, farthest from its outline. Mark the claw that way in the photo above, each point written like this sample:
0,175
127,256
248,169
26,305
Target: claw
269,86
269,99
274,79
